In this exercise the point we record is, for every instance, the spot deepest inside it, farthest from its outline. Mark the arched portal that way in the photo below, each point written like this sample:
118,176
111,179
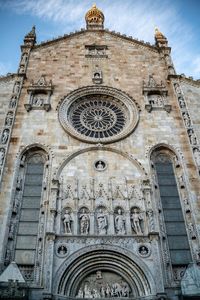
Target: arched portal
103,271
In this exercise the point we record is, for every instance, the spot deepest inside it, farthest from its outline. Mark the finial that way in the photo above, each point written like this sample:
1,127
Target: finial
94,18
160,39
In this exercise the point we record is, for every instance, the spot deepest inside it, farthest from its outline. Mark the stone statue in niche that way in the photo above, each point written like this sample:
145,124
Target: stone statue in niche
192,231
16,87
2,155
8,256
186,119
5,135
120,222
143,250
102,223
37,100
24,58
136,219
13,102
19,184
9,118
62,250
67,221
177,89
181,102
84,222
193,139
197,155
11,231
16,205
181,181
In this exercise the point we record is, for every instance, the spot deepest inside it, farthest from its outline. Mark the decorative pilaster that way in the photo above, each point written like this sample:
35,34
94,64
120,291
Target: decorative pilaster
49,261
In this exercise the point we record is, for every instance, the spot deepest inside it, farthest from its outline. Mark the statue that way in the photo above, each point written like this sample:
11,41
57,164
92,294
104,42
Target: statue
67,220
13,102
181,181
84,222
192,136
186,119
177,89
9,118
120,223
181,102
4,137
16,87
197,155
80,294
102,222
16,205
2,155
136,218
87,291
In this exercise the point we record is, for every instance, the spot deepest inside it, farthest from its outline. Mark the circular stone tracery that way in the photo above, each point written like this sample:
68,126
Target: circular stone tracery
98,117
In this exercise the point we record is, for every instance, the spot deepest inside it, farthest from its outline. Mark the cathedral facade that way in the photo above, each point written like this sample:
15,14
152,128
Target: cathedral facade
99,170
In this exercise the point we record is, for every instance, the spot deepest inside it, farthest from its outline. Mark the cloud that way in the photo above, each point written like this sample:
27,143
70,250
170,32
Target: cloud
136,18
4,68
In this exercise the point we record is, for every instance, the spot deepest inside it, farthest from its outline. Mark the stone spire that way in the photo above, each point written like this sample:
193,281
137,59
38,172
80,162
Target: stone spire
94,18
30,38
160,39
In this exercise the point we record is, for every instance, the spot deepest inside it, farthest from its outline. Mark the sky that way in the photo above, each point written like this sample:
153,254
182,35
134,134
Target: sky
178,20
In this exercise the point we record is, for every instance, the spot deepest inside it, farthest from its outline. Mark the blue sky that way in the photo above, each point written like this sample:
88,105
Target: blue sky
178,20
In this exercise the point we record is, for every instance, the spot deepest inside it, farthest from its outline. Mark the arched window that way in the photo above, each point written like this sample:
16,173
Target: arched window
172,211
29,192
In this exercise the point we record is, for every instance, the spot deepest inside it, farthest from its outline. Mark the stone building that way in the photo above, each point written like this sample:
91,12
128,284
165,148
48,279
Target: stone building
99,169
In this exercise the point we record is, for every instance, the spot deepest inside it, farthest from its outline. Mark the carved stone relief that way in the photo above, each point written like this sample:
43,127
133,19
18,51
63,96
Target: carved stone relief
155,95
39,95
103,284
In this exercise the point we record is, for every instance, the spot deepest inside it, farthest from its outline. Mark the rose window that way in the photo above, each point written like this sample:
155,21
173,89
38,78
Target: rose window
98,117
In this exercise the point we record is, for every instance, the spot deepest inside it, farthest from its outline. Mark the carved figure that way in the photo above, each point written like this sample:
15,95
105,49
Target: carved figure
84,222
168,60
16,87
197,155
5,135
100,165
87,291
67,220
80,294
177,89
19,184
24,58
9,118
136,218
11,231
62,250
181,102
120,223
192,137
38,101
16,205
2,155
191,230
181,181
13,102
186,119
8,256
102,222
143,250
